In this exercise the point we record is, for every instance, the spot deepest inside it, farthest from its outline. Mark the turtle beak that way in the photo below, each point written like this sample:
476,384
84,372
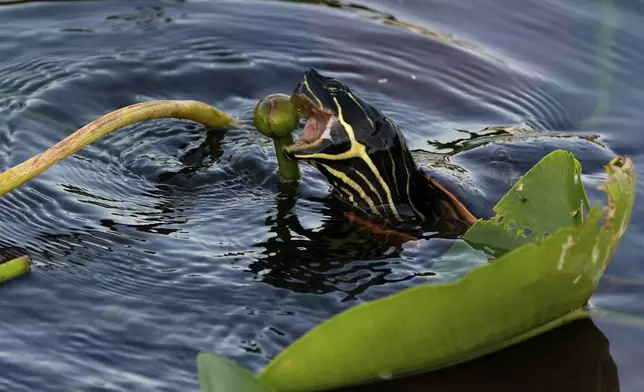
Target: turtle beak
316,133
306,151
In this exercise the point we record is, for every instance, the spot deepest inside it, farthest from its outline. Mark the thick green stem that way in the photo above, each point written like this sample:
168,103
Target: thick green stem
187,110
14,268
288,169
18,175
276,117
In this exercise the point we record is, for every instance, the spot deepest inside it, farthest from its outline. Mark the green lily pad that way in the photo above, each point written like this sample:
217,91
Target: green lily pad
217,374
548,197
531,288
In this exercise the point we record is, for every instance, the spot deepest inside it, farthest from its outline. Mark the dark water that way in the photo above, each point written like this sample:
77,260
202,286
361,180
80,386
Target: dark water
165,239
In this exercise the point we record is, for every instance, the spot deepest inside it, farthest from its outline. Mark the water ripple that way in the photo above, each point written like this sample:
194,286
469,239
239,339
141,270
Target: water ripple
165,239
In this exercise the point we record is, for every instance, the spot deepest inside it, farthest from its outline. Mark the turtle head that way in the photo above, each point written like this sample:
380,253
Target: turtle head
352,143
340,123
361,152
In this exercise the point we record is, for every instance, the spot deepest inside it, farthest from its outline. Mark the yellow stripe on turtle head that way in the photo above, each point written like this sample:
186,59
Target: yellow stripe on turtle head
361,108
357,150
308,87
370,185
353,185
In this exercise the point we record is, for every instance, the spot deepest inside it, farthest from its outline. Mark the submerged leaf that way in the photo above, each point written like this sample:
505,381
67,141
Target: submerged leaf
527,291
548,197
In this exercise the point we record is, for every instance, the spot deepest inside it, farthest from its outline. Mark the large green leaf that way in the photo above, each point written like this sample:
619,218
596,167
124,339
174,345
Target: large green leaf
217,374
528,290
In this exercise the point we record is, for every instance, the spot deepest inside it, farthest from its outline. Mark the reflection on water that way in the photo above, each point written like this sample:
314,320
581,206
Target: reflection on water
391,20
575,357
10,253
320,259
188,235
502,134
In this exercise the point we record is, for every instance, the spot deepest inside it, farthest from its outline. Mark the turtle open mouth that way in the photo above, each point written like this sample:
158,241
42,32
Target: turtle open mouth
317,124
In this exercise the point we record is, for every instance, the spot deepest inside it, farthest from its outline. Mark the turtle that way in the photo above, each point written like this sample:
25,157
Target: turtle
385,198
366,159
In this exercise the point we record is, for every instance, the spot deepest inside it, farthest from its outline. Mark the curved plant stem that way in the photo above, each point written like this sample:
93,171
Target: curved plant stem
14,268
187,110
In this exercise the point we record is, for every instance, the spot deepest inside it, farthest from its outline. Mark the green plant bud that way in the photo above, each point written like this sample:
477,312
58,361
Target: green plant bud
275,116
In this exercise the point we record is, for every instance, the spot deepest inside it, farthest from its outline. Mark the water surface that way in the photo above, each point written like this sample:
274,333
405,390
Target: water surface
165,239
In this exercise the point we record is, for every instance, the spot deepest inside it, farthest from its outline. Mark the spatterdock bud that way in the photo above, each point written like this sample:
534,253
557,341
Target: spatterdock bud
275,116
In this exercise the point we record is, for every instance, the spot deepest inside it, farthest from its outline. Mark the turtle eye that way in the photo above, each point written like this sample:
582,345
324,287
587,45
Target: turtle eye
333,87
